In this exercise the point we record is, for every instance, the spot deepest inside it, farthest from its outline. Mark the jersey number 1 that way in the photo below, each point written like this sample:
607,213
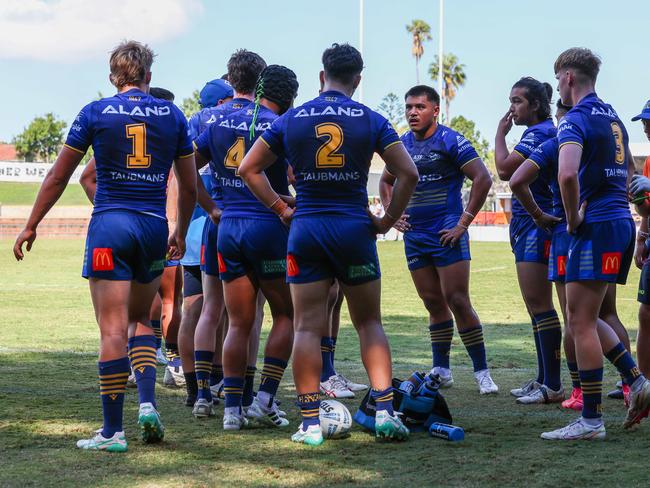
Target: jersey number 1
326,156
138,157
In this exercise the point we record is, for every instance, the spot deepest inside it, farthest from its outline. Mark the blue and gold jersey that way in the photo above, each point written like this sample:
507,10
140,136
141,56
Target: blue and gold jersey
225,143
595,126
329,142
532,137
135,138
439,159
545,158
201,120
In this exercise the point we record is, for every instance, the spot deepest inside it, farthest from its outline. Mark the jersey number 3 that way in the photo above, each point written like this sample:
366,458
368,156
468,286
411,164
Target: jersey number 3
326,156
138,157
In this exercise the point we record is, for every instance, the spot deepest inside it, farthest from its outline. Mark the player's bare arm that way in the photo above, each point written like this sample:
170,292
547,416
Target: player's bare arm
520,183
569,163
186,176
88,180
205,200
398,163
51,190
506,162
386,182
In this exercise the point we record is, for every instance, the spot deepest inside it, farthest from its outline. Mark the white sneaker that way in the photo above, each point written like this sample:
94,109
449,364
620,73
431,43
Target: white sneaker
160,357
576,431
313,436
265,415
335,388
390,426
446,379
217,390
543,394
174,377
130,381
234,421
485,384
117,443
203,409
525,389
639,403
351,385
151,427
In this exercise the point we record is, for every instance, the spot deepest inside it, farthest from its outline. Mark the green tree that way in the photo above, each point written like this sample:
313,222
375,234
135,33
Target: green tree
453,77
468,129
420,32
191,105
393,109
41,139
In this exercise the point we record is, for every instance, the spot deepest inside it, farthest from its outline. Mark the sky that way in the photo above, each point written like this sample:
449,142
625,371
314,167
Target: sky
54,53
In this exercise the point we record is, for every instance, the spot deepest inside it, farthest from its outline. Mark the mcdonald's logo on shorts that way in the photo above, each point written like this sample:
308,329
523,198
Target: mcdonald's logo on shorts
292,266
103,259
561,265
611,262
222,264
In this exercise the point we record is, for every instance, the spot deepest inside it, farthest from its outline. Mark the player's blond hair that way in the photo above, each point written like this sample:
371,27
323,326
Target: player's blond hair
130,62
582,60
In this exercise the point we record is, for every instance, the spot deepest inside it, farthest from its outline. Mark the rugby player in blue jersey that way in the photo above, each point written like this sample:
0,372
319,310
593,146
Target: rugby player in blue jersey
252,249
544,161
530,106
435,231
594,168
136,138
329,142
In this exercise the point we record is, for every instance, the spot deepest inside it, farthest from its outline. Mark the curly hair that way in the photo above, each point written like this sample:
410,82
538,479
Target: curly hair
244,67
537,91
130,62
277,84
342,62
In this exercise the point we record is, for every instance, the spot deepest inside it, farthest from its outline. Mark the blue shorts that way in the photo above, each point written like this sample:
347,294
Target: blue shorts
192,284
209,256
529,243
125,246
341,247
423,248
252,245
558,257
601,251
172,263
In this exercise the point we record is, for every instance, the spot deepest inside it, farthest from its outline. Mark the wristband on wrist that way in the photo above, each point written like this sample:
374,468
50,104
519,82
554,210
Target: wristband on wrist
279,206
465,220
390,216
642,235
537,213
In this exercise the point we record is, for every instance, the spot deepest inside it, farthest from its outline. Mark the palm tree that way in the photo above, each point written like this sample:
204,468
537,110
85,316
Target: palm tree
453,77
421,32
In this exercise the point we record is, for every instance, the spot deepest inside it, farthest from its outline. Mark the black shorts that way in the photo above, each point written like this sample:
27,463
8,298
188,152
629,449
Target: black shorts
192,281
644,285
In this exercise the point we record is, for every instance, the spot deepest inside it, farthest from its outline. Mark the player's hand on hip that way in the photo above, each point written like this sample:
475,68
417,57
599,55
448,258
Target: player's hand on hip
640,254
175,247
287,215
215,215
450,237
639,184
575,222
402,223
546,222
26,236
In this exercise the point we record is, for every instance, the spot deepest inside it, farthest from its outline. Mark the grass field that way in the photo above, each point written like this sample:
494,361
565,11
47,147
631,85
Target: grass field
48,399
25,194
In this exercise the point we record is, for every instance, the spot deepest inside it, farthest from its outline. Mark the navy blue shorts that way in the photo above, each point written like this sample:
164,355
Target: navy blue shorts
529,243
423,248
209,254
341,247
172,263
601,251
252,245
559,253
192,284
125,246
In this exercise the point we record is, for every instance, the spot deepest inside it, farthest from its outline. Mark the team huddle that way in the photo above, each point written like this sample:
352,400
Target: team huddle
282,217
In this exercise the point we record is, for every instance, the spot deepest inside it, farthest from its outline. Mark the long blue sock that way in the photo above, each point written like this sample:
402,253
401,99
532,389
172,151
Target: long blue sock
622,360
157,330
475,345
309,409
142,353
112,385
383,399
249,386
575,376
441,335
203,368
592,392
538,351
327,355
549,332
271,376
233,389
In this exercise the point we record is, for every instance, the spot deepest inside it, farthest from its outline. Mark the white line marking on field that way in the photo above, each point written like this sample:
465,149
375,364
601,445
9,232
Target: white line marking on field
496,268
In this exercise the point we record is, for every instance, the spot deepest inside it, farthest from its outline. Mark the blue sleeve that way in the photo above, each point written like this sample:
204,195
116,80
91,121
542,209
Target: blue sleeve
202,143
184,148
385,135
80,135
463,151
527,144
273,137
539,157
570,130
193,124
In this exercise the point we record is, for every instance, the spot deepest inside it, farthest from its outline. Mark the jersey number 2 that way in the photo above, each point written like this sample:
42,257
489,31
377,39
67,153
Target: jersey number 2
326,156
618,138
138,157
235,154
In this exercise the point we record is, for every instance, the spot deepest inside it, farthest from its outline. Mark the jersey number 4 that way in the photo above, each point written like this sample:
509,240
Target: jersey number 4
618,137
138,157
326,156
235,154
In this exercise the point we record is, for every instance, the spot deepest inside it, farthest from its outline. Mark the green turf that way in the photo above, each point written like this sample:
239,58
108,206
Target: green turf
25,194
48,399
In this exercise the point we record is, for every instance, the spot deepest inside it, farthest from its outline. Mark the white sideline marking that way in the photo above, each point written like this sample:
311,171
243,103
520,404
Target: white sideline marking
496,268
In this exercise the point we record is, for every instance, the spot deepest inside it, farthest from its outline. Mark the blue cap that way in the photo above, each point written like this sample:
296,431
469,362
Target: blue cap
645,113
213,91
